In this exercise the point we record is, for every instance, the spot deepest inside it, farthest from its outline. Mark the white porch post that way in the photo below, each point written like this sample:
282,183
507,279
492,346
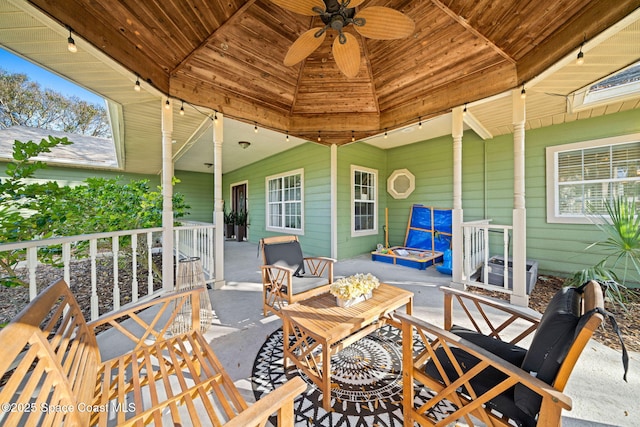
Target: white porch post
218,203
167,196
457,214
334,201
519,296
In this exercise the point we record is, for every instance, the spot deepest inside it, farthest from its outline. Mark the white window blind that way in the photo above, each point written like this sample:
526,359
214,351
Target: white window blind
586,177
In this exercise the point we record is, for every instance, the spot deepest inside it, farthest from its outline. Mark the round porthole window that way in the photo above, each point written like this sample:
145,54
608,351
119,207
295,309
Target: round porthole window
401,183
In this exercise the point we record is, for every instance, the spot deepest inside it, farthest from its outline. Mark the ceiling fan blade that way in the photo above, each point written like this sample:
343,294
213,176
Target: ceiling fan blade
347,55
303,47
384,23
355,3
303,7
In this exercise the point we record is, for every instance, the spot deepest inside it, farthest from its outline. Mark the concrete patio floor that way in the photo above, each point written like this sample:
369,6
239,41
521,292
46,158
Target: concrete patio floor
600,396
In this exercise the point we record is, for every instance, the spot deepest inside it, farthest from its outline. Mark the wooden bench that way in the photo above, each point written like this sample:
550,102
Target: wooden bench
52,372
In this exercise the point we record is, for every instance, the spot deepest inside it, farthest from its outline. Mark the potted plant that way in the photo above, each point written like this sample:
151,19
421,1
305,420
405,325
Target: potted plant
229,223
241,225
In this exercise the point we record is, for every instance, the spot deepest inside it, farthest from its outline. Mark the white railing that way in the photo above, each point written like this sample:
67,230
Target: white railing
123,267
477,249
196,239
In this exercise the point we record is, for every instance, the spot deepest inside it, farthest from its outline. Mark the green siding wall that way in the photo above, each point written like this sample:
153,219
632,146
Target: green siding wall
314,159
367,156
198,193
488,186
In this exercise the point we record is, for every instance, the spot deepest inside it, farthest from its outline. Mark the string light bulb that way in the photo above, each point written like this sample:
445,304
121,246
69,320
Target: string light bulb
464,112
580,57
523,93
353,137
71,44
167,104
287,138
319,139
385,133
137,87
215,116
182,109
419,122
255,127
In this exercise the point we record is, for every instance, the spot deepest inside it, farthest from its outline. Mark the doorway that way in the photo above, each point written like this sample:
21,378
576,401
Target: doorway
239,206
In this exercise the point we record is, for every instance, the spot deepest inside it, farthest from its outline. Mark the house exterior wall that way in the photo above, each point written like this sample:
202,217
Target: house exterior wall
488,186
314,160
487,189
366,156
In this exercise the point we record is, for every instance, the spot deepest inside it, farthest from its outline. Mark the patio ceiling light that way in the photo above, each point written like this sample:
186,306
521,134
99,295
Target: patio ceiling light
71,44
244,144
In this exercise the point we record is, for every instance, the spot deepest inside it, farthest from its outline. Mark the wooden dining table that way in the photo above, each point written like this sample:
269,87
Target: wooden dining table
317,328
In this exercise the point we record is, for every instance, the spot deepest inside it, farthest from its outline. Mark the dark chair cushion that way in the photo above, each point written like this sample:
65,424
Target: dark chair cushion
550,345
507,351
288,254
485,380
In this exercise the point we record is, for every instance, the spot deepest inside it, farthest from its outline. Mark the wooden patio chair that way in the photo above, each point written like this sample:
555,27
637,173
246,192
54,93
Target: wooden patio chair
288,276
484,373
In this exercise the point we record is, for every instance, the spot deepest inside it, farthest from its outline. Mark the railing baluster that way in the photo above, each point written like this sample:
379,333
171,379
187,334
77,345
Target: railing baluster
93,253
32,263
115,248
66,260
149,263
134,268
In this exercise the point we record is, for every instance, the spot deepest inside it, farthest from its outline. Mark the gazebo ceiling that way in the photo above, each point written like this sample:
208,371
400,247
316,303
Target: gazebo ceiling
228,55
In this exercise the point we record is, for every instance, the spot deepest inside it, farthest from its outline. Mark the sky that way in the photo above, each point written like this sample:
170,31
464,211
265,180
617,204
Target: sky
14,64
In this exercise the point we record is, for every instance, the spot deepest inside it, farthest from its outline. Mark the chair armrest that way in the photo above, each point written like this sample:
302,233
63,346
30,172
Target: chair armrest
320,266
321,258
444,338
277,267
279,400
479,302
152,325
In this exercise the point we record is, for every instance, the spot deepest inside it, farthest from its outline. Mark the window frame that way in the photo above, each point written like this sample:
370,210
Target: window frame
282,202
374,230
552,175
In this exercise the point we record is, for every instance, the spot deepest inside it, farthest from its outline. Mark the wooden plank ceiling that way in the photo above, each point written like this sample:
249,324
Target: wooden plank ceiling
228,55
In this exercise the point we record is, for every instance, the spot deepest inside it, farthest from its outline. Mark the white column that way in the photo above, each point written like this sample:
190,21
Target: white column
457,129
334,201
519,296
218,203
167,196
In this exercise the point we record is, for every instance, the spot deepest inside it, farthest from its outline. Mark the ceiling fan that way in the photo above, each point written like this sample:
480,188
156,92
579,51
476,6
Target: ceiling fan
374,22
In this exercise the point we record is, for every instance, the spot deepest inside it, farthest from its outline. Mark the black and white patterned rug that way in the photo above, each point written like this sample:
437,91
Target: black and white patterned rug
367,377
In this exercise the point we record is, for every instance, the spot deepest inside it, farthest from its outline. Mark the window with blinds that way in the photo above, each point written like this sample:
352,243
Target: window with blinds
588,175
284,202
